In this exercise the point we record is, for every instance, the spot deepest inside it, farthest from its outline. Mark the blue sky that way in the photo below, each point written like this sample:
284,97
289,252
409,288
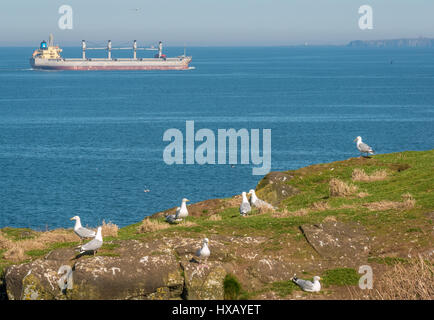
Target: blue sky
213,22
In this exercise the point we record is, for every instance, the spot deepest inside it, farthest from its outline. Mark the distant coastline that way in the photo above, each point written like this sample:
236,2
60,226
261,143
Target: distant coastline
393,43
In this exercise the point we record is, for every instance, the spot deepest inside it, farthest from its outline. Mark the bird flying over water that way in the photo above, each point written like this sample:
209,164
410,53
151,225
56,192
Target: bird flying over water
93,245
258,203
307,285
81,231
245,205
363,147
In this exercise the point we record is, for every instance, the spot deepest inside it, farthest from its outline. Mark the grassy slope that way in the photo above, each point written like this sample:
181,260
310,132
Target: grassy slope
395,230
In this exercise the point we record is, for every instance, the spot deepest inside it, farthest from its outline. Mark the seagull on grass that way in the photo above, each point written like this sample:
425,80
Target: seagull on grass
363,147
307,285
245,205
258,203
82,232
181,212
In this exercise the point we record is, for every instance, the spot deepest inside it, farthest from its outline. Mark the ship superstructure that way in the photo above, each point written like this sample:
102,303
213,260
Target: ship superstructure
48,57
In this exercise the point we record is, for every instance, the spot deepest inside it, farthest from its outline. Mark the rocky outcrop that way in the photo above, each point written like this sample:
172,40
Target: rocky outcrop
274,187
338,241
134,270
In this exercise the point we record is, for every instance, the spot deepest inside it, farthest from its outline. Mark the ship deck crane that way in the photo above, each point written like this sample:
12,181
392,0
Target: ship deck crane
109,49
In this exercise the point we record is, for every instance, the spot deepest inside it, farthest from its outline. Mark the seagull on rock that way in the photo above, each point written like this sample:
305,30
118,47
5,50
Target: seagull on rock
204,252
363,147
94,244
258,203
81,231
307,285
245,205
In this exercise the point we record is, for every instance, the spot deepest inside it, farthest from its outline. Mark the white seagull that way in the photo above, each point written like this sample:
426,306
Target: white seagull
204,252
307,285
181,212
93,245
258,203
363,147
81,231
245,205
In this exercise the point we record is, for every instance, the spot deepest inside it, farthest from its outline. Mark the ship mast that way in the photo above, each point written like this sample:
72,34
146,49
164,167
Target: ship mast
109,50
83,47
51,40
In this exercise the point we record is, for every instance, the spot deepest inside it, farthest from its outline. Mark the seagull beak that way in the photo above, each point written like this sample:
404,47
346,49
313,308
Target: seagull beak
187,200
354,140
72,219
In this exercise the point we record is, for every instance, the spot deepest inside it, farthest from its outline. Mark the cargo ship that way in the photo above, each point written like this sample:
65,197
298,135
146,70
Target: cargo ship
48,57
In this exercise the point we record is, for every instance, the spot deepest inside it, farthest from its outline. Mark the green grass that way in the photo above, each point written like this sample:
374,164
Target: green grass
37,253
340,277
232,287
18,233
284,288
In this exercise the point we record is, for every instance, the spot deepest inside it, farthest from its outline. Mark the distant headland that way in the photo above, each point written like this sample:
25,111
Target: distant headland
393,43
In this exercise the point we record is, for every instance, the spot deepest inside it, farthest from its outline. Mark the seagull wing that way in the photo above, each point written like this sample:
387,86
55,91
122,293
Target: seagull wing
245,208
92,245
261,203
363,147
306,285
178,210
85,233
199,252
171,218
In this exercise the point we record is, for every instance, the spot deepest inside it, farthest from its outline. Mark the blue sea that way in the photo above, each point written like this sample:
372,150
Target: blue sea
89,143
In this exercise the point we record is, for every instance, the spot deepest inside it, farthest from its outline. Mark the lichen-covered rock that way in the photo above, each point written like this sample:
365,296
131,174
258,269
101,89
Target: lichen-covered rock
135,271
344,242
274,187
204,281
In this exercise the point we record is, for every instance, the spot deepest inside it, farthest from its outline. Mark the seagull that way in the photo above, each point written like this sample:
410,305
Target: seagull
204,253
307,285
93,245
245,205
81,231
171,218
182,212
363,147
258,203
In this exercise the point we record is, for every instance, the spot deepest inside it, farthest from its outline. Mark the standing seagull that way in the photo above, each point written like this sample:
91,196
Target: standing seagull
182,211
80,231
93,245
307,285
363,147
204,253
245,205
258,203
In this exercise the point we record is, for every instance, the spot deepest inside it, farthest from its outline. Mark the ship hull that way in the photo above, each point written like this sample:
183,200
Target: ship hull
181,63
